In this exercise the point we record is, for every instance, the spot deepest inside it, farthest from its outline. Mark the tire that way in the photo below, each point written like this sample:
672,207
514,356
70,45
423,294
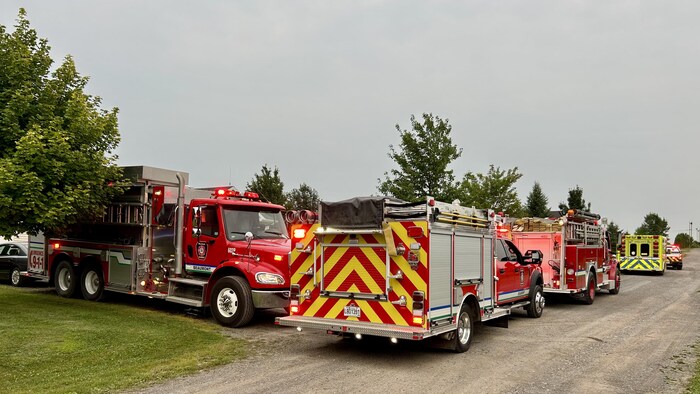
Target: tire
92,283
15,277
465,330
618,282
231,301
65,280
589,294
536,306
680,266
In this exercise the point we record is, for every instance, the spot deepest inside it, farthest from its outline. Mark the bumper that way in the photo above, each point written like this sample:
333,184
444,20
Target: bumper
270,299
356,327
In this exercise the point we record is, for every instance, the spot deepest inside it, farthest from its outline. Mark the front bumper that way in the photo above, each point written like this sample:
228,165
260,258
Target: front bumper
270,299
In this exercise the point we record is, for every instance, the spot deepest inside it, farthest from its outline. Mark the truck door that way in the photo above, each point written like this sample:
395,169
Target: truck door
513,278
205,242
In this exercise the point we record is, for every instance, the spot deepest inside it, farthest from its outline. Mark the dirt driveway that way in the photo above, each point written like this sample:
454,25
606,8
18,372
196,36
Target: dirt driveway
641,340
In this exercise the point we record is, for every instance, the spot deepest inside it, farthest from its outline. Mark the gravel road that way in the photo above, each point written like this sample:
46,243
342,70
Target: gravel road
641,340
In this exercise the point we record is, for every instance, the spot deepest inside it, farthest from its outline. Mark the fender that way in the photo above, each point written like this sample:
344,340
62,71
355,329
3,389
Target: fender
536,279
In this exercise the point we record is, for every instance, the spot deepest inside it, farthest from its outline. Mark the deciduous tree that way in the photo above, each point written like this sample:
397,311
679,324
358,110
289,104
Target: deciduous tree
423,158
653,224
56,142
495,190
268,185
304,197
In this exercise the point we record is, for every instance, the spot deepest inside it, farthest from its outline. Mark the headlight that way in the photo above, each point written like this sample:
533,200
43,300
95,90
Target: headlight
267,278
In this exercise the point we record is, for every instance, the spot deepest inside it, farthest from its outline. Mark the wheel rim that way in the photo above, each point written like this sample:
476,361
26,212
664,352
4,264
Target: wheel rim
92,282
227,302
539,302
15,277
464,330
64,279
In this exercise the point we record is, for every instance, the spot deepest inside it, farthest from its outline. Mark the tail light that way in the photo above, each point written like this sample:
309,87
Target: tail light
413,260
418,307
294,291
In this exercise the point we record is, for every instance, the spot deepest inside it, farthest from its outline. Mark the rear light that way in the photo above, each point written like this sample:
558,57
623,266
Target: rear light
57,245
294,291
299,233
418,307
415,232
413,260
294,307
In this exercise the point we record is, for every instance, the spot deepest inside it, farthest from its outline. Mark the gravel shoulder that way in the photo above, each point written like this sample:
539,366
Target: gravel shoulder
641,340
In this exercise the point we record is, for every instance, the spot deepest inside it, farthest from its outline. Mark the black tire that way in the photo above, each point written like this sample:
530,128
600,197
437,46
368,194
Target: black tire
65,280
465,330
231,301
15,277
589,294
618,283
92,283
680,266
536,306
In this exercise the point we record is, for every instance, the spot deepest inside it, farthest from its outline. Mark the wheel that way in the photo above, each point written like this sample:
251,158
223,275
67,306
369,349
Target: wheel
231,301
589,294
618,282
15,277
465,329
680,266
536,306
92,283
65,280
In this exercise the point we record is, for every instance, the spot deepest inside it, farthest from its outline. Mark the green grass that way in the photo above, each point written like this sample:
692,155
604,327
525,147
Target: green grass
694,385
52,344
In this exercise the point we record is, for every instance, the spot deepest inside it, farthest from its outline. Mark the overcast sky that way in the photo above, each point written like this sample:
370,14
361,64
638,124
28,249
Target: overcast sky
600,94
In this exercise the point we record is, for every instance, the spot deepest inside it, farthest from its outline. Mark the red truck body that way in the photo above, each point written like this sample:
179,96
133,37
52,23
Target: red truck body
160,239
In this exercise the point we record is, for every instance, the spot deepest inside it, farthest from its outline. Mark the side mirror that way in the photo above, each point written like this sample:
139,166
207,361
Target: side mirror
533,256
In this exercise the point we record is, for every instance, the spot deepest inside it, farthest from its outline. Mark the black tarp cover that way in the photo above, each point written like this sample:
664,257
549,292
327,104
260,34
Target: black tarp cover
353,213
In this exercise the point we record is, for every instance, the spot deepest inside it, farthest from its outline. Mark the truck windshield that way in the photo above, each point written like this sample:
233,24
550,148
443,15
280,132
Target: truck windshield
263,224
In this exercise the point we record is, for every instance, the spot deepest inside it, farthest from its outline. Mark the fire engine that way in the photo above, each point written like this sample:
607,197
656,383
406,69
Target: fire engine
160,239
674,257
642,253
576,252
383,267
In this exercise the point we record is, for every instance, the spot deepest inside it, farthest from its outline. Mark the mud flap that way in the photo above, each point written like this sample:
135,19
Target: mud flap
500,322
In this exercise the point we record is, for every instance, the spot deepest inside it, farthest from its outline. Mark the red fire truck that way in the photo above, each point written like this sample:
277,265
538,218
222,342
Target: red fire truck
576,252
383,267
217,248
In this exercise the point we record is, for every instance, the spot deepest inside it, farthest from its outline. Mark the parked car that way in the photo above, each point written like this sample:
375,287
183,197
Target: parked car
13,261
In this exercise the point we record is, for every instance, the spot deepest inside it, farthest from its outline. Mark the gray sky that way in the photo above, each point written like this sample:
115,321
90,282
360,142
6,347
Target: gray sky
603,95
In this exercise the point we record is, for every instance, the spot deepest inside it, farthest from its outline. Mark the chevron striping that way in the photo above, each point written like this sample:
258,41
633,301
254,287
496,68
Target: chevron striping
354,265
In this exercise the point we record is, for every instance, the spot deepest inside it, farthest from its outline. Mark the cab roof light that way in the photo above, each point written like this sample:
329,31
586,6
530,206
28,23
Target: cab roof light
251,195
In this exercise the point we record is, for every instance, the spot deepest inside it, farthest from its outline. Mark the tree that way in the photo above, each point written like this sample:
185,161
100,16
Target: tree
575,201
653,225
536,205
56,143
305,197
495,190
684,240
423,156
614,231
268,185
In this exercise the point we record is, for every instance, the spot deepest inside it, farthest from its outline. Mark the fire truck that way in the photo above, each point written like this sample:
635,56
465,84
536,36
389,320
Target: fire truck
217,248
674,257
576,251
642,253
383,267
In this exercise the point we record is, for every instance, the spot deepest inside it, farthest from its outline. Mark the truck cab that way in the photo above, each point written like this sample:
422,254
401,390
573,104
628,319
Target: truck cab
514,271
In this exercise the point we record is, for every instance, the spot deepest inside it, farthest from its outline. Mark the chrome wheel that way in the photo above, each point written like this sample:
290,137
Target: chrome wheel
64,279
227,302
464,330
539,303
92,282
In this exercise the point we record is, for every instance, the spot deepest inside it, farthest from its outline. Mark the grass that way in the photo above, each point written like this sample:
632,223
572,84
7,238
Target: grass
694,385
52,344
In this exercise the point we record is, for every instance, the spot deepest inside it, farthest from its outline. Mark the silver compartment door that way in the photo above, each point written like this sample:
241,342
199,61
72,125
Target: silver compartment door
440,272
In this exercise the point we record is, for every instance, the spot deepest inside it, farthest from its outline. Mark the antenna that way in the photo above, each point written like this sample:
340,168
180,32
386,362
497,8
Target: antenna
229,175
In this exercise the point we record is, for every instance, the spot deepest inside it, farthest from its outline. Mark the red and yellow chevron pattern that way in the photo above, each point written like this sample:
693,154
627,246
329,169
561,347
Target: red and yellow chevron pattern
357,264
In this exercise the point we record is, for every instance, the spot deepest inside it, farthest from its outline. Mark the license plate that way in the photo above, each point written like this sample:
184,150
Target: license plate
352,311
